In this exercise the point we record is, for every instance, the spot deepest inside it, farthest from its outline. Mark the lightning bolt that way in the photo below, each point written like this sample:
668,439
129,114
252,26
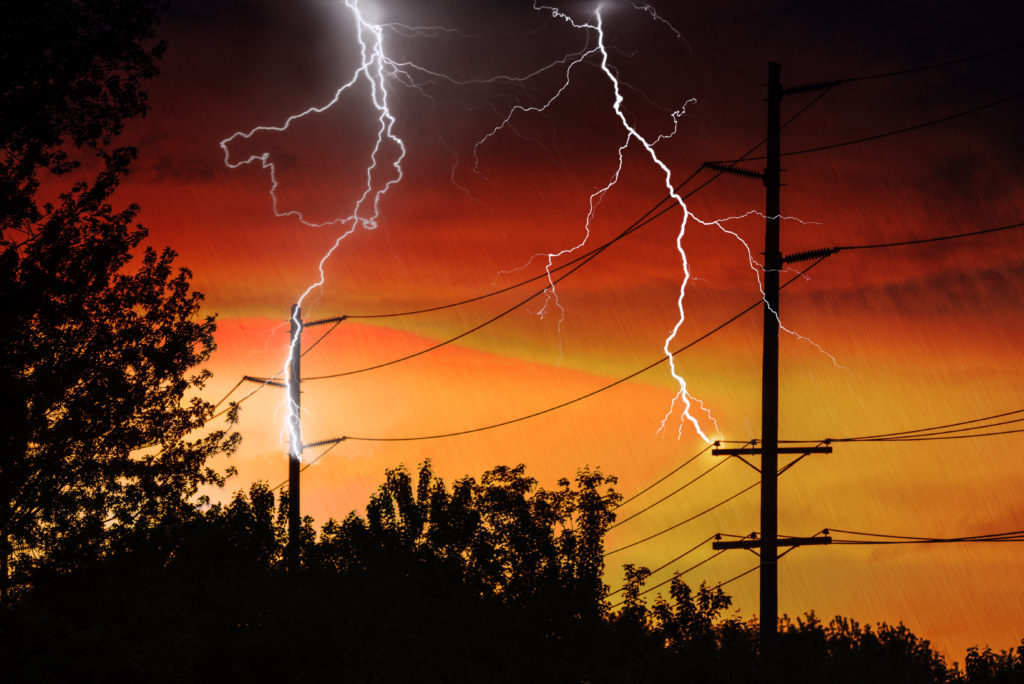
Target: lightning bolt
682,399
375,67
757,268
384,166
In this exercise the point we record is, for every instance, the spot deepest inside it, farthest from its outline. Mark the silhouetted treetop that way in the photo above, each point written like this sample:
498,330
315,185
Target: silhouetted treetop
71,73
101,369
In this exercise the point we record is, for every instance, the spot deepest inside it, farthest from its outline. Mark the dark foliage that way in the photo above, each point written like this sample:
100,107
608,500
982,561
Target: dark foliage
100,371
474,583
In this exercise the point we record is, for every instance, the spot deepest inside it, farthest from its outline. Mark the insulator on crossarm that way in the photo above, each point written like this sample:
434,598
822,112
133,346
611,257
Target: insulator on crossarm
809,255
734,170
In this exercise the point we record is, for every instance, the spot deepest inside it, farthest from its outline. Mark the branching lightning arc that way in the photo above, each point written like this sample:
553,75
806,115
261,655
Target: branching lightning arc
384,166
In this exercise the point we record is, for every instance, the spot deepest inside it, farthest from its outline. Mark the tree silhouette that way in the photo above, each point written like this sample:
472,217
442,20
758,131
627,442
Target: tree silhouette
397,596
99,375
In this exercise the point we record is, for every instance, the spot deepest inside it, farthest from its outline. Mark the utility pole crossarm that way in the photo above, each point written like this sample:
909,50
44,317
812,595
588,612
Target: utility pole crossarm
756,451
785,541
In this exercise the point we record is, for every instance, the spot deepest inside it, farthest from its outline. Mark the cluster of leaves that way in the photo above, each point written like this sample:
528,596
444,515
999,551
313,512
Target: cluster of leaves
100,372
505,536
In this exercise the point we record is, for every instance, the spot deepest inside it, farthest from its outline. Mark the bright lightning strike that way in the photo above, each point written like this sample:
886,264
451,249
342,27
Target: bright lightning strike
375,67
757,269
682,399
384,165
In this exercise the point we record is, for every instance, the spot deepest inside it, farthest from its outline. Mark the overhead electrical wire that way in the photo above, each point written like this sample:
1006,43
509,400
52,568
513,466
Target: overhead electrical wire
645,219
939,238
682,522
713,588
947,431
664,477
706,471
684,554
886,134
675,575
475,328
519,419
878,538
935,65
307,465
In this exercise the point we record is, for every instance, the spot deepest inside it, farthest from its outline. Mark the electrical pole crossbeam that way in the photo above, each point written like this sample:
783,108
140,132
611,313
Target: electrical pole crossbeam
756,451
756,543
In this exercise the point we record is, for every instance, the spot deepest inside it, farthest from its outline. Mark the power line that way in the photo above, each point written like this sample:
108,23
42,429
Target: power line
664,477
927,429
717,586
321,338
684,554
941,438
898,131
536,414
938,433
936,65
675,575
878,538
683,522
669,495
907,129
475,328
744,573
307,465
939,238
645,219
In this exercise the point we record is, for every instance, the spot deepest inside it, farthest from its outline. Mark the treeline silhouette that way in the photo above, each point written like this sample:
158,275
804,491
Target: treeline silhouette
496,580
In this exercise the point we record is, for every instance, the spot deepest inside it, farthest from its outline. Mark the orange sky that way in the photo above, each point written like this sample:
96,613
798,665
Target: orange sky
921,336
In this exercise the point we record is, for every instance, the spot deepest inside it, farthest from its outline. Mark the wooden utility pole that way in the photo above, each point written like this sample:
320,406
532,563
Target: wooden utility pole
770,375
768,543
295,445
295,442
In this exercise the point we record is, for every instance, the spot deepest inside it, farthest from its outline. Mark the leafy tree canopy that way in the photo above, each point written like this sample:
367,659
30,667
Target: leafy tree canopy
102,354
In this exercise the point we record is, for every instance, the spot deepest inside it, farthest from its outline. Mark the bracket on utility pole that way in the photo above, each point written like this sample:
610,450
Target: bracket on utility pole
734,170
755,451
782,541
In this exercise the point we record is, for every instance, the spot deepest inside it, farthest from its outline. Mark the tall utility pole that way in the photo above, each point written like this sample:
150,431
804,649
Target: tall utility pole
768,543
770,375
295,444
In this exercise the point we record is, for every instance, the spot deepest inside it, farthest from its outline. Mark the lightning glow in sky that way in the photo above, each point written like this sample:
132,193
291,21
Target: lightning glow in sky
374,66
682,397
384,166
